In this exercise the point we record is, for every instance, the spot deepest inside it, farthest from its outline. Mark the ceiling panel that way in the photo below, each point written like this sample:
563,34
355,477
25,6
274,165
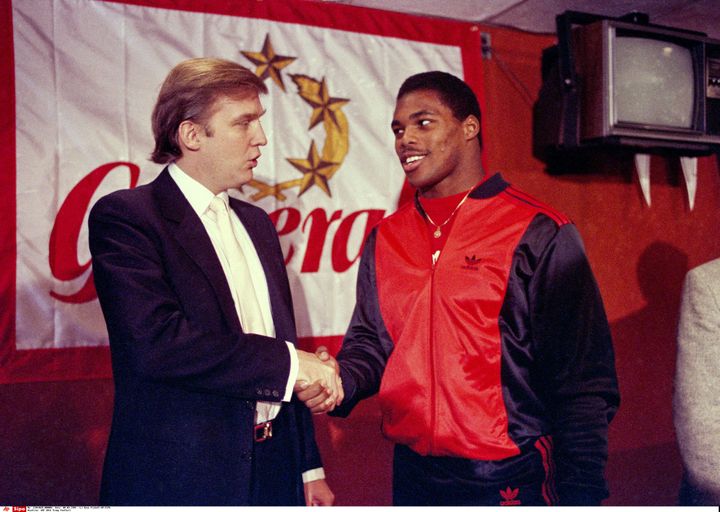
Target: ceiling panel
539,15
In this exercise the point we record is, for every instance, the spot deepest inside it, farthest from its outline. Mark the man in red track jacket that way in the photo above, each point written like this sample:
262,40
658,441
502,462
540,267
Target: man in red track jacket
479,323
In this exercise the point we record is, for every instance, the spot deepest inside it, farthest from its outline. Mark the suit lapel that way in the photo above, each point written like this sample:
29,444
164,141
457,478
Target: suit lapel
190,234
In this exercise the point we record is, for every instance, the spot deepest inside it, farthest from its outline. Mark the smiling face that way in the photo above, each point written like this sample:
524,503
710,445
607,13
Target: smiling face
437,151
225,149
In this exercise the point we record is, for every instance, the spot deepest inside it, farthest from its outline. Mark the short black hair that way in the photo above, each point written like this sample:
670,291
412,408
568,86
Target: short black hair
454,93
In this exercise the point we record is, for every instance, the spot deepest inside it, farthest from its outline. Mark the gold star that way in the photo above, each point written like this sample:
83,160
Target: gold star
268,63
314,169
317,96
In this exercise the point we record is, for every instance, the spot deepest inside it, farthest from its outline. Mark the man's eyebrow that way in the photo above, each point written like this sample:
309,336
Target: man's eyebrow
415,115
422,113
251,116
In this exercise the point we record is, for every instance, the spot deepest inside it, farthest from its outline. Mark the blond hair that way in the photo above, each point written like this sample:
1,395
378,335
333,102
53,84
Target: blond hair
189,93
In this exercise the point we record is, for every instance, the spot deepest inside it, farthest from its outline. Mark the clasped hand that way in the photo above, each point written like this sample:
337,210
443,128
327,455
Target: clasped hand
318,383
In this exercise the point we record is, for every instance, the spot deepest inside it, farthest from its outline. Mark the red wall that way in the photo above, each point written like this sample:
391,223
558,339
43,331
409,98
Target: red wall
52,435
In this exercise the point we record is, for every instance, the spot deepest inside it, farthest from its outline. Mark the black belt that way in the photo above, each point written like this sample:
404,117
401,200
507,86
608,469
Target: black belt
263,432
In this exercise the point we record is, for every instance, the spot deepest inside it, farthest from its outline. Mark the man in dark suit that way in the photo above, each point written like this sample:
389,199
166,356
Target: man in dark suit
200,321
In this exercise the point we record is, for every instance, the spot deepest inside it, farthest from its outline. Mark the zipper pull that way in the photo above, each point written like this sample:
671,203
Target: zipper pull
435,257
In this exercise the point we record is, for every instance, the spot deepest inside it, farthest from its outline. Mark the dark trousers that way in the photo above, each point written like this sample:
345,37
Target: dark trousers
276,479
451,481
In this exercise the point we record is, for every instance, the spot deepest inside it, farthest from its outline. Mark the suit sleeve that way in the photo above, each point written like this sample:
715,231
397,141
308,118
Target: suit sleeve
576,364
310,457
366,346
157,319
697,385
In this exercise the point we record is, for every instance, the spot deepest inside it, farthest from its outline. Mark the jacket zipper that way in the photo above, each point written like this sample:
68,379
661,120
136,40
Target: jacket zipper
431,341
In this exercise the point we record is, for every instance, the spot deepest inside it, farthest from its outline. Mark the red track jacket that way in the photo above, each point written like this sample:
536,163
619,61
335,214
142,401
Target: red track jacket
500,344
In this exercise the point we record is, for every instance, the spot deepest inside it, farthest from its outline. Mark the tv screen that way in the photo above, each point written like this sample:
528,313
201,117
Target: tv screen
615,82
652,83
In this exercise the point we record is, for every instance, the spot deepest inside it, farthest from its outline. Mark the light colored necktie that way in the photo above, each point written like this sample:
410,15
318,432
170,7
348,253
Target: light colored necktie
246,300
245,295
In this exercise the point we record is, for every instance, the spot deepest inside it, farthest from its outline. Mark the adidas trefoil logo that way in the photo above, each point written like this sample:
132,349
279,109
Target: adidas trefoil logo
509,497
471,262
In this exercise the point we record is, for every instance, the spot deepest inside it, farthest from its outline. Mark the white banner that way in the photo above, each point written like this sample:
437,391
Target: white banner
87,75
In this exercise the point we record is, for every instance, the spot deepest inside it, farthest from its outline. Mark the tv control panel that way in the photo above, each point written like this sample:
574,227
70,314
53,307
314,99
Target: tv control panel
713,74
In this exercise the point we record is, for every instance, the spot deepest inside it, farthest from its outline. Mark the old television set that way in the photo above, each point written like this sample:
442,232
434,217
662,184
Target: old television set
623,82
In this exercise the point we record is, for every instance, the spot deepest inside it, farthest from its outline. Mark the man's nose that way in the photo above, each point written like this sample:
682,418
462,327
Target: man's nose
260,138
408,138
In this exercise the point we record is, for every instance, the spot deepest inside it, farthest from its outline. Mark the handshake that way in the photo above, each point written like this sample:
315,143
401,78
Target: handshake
318,382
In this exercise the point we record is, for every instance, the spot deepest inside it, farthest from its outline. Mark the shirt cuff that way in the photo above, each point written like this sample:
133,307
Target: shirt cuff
313,474
294,368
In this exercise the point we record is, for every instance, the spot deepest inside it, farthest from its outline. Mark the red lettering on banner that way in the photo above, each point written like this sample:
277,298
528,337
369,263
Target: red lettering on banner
63,250
340,260
287,220
319,224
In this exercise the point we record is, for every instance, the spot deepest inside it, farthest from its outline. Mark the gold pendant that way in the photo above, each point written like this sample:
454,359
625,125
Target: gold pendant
437,233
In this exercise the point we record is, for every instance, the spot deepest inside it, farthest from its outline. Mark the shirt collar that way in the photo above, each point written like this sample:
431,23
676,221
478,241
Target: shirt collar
195,192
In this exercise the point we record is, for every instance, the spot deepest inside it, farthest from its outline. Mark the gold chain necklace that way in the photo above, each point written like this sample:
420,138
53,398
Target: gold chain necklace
438,233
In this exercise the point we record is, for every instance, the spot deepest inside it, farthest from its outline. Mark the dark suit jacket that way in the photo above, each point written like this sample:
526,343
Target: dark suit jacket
186,376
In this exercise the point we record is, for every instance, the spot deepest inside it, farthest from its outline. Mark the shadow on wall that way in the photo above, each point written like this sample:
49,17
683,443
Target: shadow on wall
645,469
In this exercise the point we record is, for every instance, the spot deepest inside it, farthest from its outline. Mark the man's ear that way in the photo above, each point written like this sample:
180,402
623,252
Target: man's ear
189,135
471,127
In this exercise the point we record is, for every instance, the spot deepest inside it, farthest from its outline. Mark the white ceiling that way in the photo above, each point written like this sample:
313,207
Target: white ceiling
539,15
